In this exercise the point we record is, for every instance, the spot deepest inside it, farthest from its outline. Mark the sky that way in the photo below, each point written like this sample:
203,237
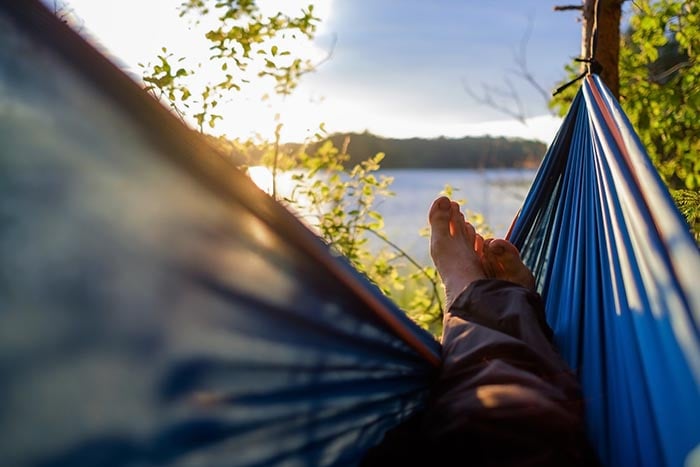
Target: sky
396,68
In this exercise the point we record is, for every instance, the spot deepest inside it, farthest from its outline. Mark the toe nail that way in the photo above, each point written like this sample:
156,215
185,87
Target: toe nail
444,204
498,250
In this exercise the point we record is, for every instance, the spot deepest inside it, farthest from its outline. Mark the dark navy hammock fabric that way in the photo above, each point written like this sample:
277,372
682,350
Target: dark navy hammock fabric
156,308
620,274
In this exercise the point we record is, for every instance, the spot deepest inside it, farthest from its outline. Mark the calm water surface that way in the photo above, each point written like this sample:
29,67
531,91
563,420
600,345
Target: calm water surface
496,193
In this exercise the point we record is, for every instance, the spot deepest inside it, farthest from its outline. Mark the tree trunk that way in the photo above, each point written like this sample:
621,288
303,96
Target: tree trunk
607,51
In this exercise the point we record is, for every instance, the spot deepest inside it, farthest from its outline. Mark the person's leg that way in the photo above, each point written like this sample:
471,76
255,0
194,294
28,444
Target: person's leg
504,395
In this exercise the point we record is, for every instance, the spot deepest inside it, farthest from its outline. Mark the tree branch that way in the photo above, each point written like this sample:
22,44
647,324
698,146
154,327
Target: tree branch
421,269
329,55
521,60
486,98
660,78
509,101
568,7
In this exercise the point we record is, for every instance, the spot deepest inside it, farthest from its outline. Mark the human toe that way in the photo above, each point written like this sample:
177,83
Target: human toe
503,262
506,253
439,216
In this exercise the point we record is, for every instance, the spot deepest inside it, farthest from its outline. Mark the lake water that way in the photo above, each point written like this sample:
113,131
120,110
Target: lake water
498,194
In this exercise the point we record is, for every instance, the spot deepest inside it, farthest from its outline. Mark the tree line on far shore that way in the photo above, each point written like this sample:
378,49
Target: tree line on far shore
465,153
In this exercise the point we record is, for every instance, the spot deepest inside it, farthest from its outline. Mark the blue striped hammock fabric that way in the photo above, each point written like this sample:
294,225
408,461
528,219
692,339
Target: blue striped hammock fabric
619,272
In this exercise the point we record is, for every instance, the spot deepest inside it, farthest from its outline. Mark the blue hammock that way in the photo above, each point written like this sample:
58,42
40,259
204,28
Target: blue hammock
619,272
158,309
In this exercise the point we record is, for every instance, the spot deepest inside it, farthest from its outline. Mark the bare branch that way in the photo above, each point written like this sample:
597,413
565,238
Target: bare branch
329,55
422,270
568,7
487,98
660,78
507,99
67,15
520,59
634,3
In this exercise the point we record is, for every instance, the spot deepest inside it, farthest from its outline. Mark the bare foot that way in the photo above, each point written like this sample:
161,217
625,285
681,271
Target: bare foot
501,260
452,247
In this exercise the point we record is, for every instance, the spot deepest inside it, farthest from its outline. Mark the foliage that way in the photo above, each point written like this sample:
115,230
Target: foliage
463,153
334,195
689,204
467,152
660,92
338,201
246,44
244,36
660,85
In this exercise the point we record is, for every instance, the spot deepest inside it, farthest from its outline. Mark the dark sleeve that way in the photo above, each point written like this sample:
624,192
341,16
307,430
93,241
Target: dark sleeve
504,395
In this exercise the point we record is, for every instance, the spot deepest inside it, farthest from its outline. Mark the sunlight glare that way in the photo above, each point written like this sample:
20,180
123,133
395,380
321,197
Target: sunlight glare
290,190
245,114
262,177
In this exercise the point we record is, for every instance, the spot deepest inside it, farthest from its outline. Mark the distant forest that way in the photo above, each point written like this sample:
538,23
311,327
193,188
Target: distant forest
467,152
421,153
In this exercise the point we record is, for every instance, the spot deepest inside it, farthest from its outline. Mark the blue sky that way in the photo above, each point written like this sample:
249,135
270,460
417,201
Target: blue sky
412,56
397,68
